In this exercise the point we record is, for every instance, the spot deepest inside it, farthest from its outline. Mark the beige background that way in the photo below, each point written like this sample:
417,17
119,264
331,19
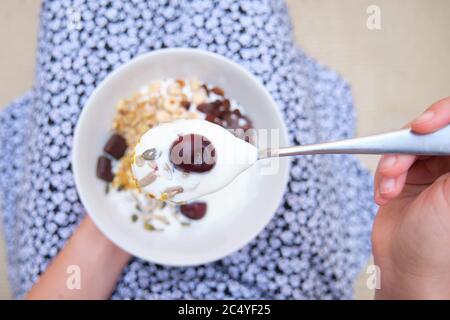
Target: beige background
395,72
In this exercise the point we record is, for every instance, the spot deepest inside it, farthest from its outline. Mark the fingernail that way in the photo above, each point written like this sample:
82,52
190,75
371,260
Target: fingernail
388,161
380,200
426,116
376,195
387,185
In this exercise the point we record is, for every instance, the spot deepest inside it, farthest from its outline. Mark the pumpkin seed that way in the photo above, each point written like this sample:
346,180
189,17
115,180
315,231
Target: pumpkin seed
150,154
149,227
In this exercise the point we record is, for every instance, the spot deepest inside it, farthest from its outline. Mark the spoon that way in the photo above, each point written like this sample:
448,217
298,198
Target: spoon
398,142
173,185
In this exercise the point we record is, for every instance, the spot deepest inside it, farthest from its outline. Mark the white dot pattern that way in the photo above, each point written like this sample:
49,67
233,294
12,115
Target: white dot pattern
320,235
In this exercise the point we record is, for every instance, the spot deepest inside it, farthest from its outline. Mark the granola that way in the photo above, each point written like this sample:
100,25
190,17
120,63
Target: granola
158,102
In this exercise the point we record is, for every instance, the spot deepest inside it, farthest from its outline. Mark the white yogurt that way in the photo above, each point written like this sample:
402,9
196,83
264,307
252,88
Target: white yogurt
233,156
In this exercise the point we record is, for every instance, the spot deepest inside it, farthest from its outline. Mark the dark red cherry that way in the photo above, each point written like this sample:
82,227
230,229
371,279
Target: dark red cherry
194,210
104,170
193,153
116,146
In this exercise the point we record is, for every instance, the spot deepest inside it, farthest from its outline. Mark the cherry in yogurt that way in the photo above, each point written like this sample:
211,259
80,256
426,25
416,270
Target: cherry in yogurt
193,153
194,210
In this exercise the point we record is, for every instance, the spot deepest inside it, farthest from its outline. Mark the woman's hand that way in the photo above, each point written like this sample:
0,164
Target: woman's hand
96,260
411,235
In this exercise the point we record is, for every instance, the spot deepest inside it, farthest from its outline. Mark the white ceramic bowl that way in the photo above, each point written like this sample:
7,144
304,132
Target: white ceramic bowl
229,224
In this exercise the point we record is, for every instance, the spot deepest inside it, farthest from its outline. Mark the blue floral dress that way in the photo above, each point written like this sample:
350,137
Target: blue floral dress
320,236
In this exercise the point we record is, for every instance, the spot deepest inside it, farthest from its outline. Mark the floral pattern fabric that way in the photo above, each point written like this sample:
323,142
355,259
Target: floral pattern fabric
320,236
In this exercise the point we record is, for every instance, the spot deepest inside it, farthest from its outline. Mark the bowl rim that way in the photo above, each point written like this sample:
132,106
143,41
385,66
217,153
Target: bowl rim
100,87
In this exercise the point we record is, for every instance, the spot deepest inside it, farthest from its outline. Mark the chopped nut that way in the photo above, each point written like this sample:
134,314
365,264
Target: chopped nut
192,115
218,91
171,104
179,114
199,96
174,89
184,97
155,101
154,87
185,104
194,83
162,116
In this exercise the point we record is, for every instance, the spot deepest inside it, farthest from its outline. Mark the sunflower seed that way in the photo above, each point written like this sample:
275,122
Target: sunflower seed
153,165
173,191
148,179
162,219
140,161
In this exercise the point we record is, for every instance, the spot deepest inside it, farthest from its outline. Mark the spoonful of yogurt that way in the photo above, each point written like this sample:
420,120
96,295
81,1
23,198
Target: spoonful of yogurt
186,159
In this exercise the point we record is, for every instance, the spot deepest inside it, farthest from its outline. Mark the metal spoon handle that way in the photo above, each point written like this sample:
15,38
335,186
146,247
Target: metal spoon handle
399,142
